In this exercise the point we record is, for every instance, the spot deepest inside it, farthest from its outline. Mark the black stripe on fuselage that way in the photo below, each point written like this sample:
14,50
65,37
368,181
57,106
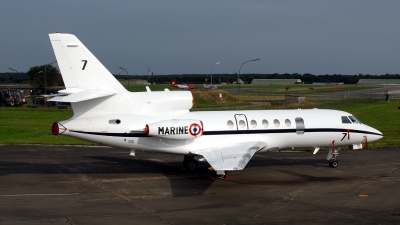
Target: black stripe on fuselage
111,134
230,132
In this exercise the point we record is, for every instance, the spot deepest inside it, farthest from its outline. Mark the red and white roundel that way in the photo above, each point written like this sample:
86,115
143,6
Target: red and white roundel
194,129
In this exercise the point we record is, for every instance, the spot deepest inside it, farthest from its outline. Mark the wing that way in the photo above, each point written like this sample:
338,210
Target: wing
232,156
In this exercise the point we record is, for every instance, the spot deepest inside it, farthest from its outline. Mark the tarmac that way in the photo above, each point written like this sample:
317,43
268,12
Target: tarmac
101,185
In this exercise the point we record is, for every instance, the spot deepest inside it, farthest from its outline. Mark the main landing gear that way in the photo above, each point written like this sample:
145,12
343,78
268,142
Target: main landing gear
189,163
219,175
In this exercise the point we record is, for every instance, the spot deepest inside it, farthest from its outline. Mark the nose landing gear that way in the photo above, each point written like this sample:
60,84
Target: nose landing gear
332,155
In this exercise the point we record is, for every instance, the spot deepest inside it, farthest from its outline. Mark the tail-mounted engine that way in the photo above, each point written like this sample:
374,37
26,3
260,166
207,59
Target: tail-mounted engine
175,129
164,102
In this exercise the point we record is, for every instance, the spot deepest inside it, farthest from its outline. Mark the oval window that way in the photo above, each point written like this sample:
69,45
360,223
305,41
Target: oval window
253,123
242,124
288,123
276,123
265,123
230,124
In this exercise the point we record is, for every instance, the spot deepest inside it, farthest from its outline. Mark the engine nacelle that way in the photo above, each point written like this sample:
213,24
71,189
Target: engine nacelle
175,129
164,103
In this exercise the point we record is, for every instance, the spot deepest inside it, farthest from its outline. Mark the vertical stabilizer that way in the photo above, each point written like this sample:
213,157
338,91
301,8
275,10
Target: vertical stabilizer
90,87
80,69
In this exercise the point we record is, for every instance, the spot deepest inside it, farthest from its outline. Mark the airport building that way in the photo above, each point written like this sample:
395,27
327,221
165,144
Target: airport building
378,81
275,81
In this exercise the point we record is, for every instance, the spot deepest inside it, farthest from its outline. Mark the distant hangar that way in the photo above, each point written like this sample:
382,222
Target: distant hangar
378,81
275,81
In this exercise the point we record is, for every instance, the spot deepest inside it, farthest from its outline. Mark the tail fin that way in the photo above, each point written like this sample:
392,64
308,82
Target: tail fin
89,85
80,69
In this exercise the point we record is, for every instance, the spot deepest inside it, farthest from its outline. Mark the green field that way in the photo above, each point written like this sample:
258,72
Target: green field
33,126
383,116
22,125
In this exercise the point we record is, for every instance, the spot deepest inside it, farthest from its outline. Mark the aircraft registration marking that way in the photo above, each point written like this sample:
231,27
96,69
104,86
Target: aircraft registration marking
84,64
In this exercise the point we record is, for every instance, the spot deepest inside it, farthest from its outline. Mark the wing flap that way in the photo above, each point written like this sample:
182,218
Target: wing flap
233,156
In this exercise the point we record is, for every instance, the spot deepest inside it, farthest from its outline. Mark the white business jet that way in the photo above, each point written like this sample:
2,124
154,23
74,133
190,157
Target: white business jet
160,121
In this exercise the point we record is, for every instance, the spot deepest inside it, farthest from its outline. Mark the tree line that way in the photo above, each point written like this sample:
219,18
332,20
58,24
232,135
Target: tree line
37,74
247,78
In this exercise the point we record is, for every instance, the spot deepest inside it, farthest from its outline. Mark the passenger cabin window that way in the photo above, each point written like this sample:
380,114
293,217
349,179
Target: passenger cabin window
242,124
253,123
345,119
265,123
288,123
276,123
230,124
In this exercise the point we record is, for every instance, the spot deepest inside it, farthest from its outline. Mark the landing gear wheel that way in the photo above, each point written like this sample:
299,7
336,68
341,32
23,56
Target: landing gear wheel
222,176
192,165
219,175
333,164
189,163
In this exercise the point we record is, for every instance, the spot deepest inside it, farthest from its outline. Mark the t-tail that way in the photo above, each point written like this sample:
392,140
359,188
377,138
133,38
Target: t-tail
89,85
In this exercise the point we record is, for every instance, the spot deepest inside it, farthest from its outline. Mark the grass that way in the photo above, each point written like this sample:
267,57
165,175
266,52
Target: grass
22,125
210,98
383,116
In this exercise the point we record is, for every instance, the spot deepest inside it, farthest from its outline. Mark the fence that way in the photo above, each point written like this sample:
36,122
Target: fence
278,99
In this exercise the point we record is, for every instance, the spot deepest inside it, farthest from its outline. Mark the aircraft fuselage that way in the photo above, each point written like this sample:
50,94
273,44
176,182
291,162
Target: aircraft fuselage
279,128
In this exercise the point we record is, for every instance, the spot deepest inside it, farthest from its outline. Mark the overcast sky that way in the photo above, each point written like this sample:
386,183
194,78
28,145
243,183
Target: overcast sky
189,37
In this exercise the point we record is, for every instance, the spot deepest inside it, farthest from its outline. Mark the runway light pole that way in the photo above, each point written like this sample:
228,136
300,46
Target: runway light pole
122,69
239,76
212,70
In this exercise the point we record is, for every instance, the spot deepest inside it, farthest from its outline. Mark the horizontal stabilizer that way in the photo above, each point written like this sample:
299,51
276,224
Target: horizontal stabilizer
80,96
53,95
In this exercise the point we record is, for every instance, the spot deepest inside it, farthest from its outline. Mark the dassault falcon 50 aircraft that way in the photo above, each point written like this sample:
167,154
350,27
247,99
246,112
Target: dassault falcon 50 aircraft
106,113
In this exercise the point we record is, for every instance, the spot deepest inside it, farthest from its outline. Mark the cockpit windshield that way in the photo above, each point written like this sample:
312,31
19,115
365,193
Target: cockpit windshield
354,120
345,119
350,119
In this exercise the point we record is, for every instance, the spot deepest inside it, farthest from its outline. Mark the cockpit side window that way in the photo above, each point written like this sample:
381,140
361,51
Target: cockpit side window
354,119
345,119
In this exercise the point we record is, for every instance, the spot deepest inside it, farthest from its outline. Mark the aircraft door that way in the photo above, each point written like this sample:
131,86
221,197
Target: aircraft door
300,128
241,122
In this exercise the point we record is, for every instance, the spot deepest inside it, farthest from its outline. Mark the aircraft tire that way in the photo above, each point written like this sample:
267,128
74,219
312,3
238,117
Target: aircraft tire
333,164
189,163
192,165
